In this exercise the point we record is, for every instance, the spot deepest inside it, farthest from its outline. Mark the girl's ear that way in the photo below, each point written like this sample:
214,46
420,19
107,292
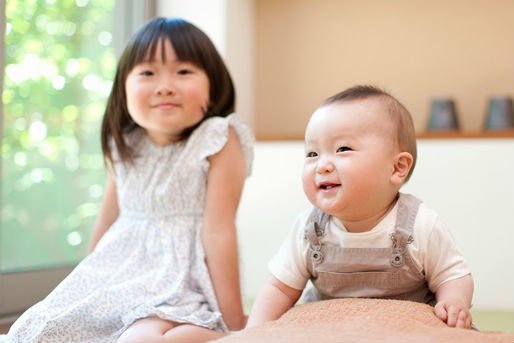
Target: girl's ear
402,165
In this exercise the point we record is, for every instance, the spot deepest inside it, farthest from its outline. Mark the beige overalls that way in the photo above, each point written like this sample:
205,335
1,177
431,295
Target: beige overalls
389,273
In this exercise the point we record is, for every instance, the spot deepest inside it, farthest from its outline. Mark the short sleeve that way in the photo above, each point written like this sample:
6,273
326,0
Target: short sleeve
434,249
445,262
212,135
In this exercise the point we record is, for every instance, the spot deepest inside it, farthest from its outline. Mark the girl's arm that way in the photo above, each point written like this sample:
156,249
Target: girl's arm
453,302
224,187
108,212
273,300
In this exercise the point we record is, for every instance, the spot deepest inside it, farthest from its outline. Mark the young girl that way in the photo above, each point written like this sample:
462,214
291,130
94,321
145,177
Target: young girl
163,262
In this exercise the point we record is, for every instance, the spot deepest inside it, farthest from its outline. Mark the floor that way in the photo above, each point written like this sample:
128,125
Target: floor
493,320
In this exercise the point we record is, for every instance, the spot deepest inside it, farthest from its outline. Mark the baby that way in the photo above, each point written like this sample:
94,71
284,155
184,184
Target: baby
363,237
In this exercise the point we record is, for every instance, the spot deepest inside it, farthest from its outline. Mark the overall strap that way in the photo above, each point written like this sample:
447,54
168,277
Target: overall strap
408,206
314,230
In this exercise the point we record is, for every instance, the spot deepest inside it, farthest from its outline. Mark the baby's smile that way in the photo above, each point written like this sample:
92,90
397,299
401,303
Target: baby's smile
328,185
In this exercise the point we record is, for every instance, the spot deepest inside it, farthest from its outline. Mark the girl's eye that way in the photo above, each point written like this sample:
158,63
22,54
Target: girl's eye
312,154
343,149
184,72
146,73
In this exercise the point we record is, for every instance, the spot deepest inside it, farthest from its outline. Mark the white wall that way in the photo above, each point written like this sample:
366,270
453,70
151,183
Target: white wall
272,198
240,54
208,15
470,183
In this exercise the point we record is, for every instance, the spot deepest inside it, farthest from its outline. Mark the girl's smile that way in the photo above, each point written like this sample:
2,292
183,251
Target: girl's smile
165,106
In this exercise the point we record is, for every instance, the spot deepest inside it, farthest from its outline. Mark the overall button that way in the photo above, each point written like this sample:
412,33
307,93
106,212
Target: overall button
397,260
316,256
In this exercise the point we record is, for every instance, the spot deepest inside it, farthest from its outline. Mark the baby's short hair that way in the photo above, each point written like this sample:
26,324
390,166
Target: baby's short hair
400,116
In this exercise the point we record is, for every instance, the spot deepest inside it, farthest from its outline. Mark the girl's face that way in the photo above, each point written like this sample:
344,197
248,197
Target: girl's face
350,152
165,97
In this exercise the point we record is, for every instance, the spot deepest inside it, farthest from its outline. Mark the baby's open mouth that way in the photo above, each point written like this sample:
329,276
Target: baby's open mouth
326,186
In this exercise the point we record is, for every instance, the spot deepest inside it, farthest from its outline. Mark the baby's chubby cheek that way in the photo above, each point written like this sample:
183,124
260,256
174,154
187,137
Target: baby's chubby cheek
309,188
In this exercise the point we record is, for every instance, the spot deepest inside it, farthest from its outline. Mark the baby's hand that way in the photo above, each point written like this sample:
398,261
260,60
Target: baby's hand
454,313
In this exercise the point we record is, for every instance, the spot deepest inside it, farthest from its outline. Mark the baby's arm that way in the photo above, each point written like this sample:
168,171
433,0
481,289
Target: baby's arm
453,302
273,300
109,211
224,187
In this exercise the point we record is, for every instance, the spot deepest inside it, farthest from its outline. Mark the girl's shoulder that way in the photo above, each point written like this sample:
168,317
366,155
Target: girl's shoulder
212,135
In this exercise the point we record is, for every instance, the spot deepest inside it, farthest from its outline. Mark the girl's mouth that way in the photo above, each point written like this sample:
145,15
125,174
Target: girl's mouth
165,106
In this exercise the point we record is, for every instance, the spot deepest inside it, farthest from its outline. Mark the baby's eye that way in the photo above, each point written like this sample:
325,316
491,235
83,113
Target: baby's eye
312,154
146,73
343,149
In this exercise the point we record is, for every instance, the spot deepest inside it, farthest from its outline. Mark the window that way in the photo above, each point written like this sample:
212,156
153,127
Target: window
58,69
59,63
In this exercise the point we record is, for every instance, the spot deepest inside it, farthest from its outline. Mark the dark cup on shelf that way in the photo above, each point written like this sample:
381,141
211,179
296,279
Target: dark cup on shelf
443,115
500,113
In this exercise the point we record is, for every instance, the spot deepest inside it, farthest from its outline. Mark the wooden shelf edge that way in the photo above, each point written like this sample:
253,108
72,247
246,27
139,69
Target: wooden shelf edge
285,137
423,135
466,134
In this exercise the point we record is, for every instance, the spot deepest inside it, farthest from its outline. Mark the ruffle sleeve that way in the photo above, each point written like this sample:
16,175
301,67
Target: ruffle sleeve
212,135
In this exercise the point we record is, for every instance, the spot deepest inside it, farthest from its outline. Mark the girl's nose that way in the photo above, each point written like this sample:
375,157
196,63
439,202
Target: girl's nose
164,91
165,86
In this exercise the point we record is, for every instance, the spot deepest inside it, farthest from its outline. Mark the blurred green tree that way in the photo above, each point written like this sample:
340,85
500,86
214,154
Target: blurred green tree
59,63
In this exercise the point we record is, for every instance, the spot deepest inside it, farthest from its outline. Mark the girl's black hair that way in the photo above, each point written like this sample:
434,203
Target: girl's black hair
190,45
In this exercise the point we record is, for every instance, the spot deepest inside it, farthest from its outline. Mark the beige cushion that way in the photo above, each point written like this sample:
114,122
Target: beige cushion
362,320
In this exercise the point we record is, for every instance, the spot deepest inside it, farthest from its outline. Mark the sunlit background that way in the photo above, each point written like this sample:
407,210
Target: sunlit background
285,57
58,57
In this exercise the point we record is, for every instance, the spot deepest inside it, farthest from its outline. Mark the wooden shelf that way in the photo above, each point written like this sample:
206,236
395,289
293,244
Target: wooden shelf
423,135
271,138
466,134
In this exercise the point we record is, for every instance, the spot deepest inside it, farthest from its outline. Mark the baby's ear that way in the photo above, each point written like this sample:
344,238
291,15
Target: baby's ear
402,165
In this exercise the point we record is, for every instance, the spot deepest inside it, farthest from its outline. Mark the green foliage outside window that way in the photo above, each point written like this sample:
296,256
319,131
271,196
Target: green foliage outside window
59,65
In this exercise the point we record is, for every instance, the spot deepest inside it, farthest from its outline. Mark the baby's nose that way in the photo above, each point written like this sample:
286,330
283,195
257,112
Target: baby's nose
325,166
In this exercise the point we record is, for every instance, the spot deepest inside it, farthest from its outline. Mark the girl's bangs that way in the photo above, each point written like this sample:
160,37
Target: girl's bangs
145,47
188,45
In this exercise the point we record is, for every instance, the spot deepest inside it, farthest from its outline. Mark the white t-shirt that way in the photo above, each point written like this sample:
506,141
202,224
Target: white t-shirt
433,250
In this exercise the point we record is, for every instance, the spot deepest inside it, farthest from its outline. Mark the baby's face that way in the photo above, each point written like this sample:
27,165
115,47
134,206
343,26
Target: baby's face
350,149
